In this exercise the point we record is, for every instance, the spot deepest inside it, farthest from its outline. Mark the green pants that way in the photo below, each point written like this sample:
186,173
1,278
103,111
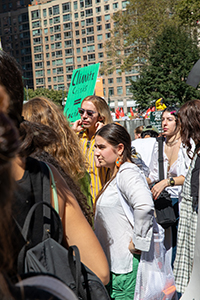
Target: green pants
122,286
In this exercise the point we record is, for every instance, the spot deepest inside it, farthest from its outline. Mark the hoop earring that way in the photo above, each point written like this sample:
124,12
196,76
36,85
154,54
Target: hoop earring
118,162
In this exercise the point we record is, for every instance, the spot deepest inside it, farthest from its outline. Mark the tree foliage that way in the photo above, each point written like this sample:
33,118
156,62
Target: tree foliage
134,31
171,58
187,12
55,96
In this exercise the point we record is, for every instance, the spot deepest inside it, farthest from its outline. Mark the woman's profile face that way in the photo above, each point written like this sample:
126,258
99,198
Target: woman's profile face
168,123
89,115
105,153
4,99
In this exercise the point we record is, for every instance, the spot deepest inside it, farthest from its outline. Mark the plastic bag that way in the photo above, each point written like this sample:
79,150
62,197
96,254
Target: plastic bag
155,280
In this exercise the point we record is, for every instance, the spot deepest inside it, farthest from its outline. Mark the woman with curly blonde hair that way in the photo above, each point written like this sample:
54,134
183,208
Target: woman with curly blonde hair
66,149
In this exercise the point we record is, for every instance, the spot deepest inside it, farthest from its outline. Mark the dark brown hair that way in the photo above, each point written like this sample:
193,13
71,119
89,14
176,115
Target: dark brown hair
189,115
8,149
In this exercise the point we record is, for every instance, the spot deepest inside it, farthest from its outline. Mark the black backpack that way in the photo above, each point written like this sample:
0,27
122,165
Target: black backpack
50,257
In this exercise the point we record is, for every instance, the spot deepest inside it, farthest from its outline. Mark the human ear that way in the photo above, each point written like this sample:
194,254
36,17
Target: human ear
101,119
120,149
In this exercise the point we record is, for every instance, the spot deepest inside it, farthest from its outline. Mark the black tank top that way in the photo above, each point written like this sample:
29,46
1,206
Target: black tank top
29,190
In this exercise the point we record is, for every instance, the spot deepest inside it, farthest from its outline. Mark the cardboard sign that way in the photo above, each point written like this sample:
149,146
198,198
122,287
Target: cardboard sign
82,85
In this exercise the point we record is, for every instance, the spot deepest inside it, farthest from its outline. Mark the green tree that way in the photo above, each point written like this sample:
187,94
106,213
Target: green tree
134,31
55,96
187,12
171,58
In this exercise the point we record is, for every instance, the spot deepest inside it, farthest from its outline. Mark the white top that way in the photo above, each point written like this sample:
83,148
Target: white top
145,148
178,168
111,224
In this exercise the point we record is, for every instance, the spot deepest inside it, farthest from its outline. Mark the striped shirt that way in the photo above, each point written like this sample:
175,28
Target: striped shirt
99,176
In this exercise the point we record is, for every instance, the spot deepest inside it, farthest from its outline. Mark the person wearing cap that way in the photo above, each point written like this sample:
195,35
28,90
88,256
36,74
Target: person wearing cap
149,131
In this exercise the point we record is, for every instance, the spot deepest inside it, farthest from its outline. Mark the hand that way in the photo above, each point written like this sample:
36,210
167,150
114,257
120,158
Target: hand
98,125
77,126
132,249
158,188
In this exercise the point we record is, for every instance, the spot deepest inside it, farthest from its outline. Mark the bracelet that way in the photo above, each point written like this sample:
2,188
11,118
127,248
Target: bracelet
168,181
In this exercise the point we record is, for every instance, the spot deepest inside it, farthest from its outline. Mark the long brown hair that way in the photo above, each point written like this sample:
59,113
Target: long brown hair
189,115
66,149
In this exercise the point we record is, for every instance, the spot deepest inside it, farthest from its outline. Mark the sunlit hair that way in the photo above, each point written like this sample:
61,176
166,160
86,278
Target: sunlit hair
101,107
9,143
174,112
67,147
189,115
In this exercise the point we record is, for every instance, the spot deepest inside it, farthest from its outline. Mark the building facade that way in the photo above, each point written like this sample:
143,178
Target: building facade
66,35
51,38
15,35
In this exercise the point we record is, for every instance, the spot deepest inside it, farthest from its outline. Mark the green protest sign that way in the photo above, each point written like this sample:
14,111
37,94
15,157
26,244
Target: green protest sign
155,119
82,84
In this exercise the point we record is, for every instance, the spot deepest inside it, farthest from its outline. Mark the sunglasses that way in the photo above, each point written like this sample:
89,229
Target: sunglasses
90,113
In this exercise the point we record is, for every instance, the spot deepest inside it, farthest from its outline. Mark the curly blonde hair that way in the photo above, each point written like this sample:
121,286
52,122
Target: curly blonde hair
66,149
101,107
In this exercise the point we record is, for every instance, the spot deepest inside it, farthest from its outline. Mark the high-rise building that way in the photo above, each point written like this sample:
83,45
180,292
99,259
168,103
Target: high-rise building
51,38
66,35
15,35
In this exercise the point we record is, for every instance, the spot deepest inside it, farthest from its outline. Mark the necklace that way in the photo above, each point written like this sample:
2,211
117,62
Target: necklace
173,142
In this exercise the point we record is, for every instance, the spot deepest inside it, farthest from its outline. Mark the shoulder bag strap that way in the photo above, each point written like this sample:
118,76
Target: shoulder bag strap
160,157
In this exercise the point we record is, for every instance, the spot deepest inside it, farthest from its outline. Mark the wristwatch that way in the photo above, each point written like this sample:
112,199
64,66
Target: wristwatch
171,181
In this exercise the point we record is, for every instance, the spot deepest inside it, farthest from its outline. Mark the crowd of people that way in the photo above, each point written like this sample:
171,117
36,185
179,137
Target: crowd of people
93,163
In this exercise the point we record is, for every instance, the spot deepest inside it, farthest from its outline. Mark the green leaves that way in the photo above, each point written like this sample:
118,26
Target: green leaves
171,57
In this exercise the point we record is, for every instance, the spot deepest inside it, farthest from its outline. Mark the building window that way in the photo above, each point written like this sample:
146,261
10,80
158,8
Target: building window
44,12
66,7
45,22
108,35
98,19
83,40
119,79
110,80
50,11
115,5
89,21
56,20
90,39
47,47
78,58
128,92
76,23
83,23
78,50
107,26
100,46
106,7
49,79
67,17
76,15
100,55
91,57
98,9
110,91
75,5
83,31
84,49
99,27
99,37
84,57
35,14
107,17
68,52
69,60
124,4
77,41
56,10
77,32
119,90
82,14
89,12
91,48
